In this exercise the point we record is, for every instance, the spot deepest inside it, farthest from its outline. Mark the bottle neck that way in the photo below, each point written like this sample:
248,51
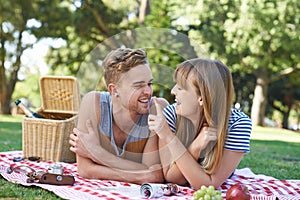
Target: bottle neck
27,112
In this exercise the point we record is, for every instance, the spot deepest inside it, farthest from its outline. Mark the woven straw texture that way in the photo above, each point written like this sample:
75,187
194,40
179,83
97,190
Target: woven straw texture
49,138
59,94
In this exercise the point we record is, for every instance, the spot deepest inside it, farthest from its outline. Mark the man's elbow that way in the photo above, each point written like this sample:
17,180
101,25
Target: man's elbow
83,171
84,167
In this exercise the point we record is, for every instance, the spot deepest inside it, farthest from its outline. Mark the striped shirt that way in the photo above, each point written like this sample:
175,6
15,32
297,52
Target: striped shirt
239,129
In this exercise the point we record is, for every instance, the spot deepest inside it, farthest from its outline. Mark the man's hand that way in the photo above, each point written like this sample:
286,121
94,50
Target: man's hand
157,123
82,142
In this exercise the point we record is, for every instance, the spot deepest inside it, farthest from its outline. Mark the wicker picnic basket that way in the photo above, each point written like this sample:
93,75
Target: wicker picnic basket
48,138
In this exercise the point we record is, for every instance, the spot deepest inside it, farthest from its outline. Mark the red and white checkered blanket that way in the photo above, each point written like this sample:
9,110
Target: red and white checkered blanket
261,187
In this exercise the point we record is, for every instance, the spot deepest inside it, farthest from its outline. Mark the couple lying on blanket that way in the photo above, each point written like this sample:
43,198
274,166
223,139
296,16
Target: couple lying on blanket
128,135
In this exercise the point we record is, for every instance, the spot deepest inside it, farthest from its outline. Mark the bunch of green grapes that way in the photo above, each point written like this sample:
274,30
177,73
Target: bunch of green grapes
207,193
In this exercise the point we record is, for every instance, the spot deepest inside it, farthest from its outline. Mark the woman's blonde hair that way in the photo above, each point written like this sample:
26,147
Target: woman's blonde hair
212,81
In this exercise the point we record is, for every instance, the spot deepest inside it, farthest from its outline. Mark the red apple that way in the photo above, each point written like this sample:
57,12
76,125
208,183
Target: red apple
238,192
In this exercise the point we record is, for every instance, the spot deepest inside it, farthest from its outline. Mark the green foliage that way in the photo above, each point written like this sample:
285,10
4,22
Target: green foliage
258,37
29,88
244,84
283,96
249,33
251,37
22,24
93,22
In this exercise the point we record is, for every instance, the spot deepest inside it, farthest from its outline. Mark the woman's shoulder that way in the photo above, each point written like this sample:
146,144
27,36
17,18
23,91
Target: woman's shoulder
239,131
238,115
239,120
170,111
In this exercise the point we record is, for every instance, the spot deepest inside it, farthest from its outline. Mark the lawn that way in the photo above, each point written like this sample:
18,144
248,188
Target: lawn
274,152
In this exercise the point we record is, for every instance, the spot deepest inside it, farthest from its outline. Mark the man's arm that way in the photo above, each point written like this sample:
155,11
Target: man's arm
96,171
106,163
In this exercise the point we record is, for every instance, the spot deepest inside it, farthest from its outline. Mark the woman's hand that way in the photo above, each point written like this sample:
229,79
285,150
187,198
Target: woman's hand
207,135
157,123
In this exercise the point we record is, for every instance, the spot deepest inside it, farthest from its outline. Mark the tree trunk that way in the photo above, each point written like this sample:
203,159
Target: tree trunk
259,100
289,101
144,10
8,85
3,106
285,122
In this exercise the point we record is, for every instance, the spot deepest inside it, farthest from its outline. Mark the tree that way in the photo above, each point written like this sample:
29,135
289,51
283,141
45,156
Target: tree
283,95
95,23
258,37
100,26
21,19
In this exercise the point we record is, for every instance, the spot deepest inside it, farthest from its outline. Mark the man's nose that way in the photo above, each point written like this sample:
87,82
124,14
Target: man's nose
148,89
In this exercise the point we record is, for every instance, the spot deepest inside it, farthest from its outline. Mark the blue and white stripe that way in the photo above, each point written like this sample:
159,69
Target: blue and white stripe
239,129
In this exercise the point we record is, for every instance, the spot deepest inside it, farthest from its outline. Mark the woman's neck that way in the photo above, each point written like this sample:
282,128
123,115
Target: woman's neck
196,118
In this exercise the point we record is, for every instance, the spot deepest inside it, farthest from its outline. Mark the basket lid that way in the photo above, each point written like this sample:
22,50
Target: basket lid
60,94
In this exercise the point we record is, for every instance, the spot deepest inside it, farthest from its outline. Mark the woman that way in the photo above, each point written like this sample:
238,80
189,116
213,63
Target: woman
201,139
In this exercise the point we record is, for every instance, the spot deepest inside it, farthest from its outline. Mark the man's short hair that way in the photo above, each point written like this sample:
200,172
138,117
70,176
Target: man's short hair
120,61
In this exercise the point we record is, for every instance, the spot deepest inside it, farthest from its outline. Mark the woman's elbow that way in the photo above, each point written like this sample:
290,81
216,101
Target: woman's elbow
179,181
157,177
198,185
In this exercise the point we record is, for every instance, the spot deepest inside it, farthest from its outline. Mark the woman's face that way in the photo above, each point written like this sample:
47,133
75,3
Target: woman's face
187,101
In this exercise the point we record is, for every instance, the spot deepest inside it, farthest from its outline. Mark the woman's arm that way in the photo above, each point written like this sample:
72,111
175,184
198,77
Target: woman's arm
151,150
186,169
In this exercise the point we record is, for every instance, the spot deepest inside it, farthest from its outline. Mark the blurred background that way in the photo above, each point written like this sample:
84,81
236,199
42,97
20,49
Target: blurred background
258,40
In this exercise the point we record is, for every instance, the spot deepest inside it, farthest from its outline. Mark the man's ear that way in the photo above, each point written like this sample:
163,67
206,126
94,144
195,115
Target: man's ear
113,89
200,101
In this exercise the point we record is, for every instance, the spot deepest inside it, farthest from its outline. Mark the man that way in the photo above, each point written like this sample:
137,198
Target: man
112,138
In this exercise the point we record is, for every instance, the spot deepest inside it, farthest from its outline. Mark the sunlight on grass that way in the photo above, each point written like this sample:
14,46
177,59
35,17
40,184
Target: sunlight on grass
10,118
266,133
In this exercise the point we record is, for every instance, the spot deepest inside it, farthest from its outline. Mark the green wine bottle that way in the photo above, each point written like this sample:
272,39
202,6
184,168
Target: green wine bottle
27,111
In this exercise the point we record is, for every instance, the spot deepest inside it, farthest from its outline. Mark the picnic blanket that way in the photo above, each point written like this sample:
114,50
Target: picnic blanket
261,187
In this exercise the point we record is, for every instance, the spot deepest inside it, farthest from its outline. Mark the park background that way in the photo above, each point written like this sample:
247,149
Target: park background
259,40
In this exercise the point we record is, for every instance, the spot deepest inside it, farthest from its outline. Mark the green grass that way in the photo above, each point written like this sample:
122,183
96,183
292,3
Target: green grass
274,152
10,134
11,139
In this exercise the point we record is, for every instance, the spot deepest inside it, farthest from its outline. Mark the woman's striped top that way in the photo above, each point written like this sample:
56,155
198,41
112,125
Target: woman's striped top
239,128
